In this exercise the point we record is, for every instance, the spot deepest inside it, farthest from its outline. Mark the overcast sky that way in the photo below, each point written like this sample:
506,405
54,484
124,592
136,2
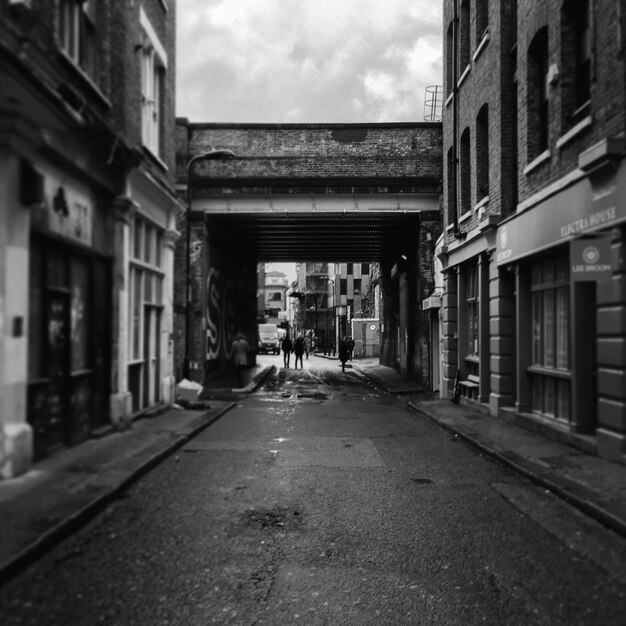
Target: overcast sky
307,60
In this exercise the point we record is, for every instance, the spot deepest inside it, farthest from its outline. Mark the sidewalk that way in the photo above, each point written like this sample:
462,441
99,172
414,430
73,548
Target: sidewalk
594,485
64,491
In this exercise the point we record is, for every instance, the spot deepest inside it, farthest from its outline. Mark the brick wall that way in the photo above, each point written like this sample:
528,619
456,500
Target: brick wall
387,152
487,80
607,89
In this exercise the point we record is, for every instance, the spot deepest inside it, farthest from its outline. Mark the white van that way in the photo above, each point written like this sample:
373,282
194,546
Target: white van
269,339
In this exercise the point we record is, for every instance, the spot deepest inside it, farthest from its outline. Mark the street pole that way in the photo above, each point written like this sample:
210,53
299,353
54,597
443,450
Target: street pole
213,154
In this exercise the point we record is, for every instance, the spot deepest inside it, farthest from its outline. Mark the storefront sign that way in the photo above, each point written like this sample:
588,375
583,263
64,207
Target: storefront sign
67,210
590,259
556,220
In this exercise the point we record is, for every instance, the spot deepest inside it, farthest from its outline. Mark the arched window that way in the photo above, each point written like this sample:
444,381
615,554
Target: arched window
537,99
482,18
466,173
575,61
482,152
464,42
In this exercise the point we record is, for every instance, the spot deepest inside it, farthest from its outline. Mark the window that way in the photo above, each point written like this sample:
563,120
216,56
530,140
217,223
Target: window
450,77
153,68
550,370
482,18
575,60
471,298
77,32
538,94
146,278
451,174
482,152
464,43
152,78
466,173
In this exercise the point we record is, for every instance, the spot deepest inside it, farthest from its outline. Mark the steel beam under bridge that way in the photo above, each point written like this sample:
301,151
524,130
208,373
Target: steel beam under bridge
330,227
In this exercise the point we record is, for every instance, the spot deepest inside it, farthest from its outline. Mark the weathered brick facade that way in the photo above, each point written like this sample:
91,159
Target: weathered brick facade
551,77
334,160
89,208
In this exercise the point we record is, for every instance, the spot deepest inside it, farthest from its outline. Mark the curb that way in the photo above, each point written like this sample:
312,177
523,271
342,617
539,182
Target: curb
256,381
74,522
382,384
546,479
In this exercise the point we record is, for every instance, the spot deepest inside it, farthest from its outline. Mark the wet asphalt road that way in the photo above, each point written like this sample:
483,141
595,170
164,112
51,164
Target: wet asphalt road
320,500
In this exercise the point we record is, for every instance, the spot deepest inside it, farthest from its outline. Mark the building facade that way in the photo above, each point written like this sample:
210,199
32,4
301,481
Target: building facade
87,229
274,300
533,303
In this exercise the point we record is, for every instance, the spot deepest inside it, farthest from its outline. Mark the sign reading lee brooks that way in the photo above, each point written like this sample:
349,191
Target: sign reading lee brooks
590,258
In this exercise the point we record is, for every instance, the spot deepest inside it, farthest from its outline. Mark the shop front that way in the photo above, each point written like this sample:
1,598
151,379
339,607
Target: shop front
564,251
69,313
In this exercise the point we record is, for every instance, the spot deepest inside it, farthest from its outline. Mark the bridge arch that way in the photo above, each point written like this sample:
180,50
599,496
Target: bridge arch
307,192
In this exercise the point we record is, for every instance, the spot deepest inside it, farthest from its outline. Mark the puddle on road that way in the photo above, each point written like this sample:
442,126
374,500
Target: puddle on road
279,518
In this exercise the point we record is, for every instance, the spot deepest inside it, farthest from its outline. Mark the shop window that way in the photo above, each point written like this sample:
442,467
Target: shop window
79,319
77,28
482,152
575,61
550,369
537,102
471,298
145,306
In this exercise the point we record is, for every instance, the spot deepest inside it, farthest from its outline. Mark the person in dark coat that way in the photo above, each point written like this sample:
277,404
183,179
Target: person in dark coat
343,354
350,346
298,350
239,350
287,348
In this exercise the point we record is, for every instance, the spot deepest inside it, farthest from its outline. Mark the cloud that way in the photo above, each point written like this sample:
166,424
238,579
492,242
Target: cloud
306,60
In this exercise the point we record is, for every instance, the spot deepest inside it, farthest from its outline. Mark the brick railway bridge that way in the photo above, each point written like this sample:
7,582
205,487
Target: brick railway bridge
304,192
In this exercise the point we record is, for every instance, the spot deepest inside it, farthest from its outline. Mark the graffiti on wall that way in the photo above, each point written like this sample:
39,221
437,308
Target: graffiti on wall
220,320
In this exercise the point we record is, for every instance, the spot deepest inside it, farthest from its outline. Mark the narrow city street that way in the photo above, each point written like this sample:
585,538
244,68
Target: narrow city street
320,499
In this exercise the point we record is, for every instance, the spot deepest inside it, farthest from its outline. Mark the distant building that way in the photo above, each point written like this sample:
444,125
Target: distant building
534,213
274,300
88,220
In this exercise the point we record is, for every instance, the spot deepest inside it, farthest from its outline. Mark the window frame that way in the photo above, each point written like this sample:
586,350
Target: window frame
576,67
550,369
538,94
77,27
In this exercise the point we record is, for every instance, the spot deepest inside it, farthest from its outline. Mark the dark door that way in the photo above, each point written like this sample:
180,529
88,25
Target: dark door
68,357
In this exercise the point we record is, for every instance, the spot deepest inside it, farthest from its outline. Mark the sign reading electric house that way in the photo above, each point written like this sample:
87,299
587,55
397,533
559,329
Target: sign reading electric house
572,213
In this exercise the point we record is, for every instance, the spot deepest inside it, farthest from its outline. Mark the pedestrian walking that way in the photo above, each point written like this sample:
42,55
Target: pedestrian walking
298,350
287,348
350,346
307,345
239,352
343,353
